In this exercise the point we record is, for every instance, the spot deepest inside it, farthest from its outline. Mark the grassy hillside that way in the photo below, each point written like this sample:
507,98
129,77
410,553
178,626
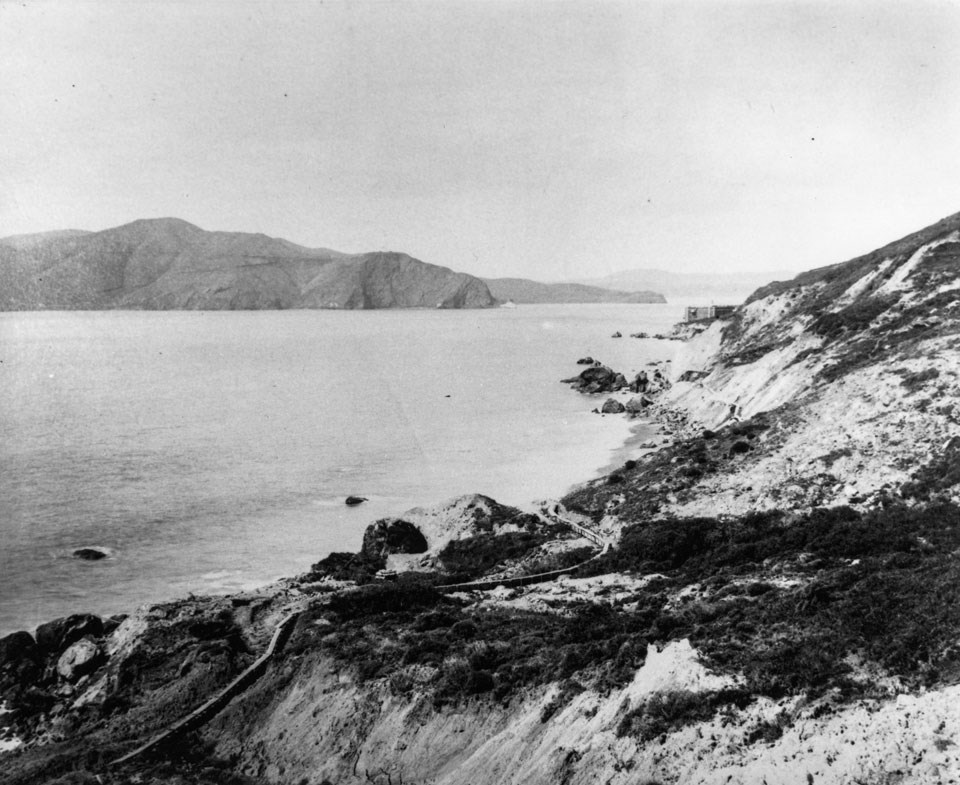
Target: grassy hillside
169,264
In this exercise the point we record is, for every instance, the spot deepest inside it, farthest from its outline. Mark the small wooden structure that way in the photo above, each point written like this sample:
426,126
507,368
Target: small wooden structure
700,313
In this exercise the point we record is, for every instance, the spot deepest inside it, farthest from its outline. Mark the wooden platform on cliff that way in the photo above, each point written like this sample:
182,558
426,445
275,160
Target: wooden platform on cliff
702,313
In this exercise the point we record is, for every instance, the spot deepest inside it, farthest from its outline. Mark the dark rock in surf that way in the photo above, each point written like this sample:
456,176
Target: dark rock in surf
598,379
353,501
610,406
599,374
89,554
585,361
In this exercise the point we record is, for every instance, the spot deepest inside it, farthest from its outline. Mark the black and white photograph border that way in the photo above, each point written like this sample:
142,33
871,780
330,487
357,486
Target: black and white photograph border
482,391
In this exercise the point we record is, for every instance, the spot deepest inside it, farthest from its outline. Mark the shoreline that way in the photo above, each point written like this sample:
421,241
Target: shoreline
640,430
772,587
581,463
163,522
645,429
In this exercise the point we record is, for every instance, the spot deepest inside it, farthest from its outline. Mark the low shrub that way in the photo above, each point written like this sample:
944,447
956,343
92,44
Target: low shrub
914,381
855,317
471,557
568,690
768,731
700,547
346,567
665,712
560,560
380,598
751,354
940,474
495,651
833,456
884,585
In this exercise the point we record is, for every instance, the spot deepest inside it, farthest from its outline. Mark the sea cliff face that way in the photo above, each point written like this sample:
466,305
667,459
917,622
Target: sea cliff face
168,264
775,599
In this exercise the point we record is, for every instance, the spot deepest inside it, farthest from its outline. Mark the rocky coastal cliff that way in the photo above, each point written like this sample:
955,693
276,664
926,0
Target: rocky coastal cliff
169,264
776,599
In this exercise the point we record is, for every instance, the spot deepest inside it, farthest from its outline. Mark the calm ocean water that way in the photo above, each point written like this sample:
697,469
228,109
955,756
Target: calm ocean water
213,451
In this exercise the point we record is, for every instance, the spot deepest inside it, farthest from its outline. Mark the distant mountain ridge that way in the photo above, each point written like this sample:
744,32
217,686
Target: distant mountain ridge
33,240
522,290
734,287
170,264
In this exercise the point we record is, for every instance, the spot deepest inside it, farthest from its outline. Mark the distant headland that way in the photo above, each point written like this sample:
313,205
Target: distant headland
170,264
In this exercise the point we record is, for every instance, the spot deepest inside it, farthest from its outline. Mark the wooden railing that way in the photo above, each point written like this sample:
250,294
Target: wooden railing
208,710
212,707
541,577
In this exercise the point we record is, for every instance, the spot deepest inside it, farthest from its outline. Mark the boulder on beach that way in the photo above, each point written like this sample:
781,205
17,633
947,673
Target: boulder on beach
353,501
54,636
17,646
612,406
598,379
79,659
89,554
635,405
598,373
617,334
19,660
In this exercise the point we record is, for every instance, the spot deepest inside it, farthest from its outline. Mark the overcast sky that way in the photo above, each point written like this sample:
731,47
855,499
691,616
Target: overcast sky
548,140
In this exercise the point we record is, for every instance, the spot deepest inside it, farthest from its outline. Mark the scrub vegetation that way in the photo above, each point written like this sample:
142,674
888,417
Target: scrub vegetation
788,604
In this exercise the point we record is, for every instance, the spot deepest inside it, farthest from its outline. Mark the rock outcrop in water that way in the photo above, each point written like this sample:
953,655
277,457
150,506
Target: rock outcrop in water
598,379
89,554
777,601
169,264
